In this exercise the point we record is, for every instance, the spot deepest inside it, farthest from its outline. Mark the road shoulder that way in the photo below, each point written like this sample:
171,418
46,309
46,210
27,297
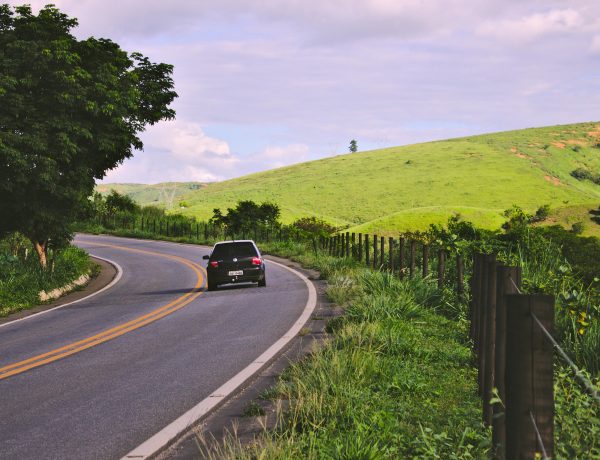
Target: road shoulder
107,273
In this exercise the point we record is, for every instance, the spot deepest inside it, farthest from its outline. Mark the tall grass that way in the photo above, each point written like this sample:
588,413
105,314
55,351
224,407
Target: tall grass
21,278
394,381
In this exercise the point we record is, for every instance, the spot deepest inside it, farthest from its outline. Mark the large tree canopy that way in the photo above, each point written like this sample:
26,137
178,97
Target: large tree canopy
70,110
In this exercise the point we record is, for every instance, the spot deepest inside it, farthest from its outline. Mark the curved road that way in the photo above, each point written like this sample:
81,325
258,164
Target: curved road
97,378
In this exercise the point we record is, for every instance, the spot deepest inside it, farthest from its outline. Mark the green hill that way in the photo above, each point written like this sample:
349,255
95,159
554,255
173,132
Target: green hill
166,194
412,186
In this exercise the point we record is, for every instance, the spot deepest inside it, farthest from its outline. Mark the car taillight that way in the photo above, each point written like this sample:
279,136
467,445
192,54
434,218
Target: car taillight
256,261
214,263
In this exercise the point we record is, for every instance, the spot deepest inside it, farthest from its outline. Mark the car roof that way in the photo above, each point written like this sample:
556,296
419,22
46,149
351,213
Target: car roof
235,241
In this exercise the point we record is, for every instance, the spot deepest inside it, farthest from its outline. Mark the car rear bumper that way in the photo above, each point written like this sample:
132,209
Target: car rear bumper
251,275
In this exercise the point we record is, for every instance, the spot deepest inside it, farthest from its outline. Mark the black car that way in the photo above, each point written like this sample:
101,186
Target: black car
235,262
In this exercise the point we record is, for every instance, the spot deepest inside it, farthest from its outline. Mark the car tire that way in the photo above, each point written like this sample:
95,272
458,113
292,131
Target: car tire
262,282
211,286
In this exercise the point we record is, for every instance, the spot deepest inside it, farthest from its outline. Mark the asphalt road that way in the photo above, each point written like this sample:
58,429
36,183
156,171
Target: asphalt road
117,368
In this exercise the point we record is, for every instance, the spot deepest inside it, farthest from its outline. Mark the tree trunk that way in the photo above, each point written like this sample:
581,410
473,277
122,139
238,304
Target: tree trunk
41,247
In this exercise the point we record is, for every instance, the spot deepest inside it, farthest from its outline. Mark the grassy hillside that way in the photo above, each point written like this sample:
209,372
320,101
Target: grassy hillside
167,194
383,190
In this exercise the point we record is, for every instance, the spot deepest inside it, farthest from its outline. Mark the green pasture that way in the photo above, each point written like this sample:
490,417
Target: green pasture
475,176
410,187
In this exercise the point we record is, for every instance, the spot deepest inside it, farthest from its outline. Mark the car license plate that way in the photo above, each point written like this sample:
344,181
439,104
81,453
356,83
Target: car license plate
236,272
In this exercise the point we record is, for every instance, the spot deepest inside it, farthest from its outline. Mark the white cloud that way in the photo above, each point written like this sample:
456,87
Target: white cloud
177,151
532,26
186,140
595,46
277,156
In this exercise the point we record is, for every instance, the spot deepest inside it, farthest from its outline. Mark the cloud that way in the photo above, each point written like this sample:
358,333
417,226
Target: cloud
595,46
177,151
269,83
277,156
533,26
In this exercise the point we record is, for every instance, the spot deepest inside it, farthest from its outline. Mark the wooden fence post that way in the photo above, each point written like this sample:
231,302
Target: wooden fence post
482,323
347,244
490,342
425,260
360,247
401,245
441,268
391,253
382,252
375,252
508,282
476,280
413,257
460,285
353,245
529,376
367,259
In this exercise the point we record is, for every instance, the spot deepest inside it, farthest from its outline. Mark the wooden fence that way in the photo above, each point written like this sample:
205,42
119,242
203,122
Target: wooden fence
511,332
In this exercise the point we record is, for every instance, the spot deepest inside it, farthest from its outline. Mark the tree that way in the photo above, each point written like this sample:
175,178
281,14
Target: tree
353,146
117,203
314,227
70,110
246,216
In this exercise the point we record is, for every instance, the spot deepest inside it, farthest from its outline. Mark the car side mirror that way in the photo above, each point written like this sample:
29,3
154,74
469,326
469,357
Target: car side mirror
205,257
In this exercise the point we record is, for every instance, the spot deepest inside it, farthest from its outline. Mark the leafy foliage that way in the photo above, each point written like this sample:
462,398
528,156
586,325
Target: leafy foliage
70,110
246,216
313,227
586,174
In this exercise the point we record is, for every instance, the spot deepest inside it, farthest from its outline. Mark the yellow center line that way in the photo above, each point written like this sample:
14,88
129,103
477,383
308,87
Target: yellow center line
109,334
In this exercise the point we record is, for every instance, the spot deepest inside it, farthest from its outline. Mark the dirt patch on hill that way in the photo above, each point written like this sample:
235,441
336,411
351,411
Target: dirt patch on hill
513,149
560,145
576,142
595,132
554,180
521,155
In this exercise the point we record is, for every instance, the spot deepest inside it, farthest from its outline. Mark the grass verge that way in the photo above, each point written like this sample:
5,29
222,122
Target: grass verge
21,278
394,381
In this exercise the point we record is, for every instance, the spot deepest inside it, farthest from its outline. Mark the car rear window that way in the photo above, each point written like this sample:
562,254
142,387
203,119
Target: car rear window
228,250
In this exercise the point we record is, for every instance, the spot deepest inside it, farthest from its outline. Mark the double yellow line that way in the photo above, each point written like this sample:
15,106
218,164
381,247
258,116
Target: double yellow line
109,334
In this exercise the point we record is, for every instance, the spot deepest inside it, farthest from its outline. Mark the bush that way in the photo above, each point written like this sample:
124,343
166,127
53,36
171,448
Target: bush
313,227
577,228
586,174
541,214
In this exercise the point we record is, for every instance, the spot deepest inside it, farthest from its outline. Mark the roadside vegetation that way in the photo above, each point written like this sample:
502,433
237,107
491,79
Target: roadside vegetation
397,380
22,278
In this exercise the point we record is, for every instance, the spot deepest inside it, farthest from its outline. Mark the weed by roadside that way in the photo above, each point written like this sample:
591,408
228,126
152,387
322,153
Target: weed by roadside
21,278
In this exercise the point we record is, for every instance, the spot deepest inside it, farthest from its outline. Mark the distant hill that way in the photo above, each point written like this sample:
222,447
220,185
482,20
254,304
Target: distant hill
412,186
166,194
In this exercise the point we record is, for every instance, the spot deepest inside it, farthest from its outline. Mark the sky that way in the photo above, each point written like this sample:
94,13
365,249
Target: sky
267,83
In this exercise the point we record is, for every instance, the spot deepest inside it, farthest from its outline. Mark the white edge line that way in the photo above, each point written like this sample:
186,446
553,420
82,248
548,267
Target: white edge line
161,439
114,281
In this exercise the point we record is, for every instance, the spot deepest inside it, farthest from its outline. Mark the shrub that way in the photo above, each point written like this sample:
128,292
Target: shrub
541,214
577,228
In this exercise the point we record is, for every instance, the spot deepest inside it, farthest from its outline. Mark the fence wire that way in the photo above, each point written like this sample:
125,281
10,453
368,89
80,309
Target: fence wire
588,385
538,436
